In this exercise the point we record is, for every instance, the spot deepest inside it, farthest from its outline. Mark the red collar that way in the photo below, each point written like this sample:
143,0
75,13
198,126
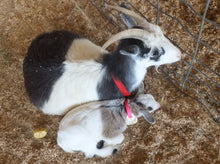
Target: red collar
125,92
121,87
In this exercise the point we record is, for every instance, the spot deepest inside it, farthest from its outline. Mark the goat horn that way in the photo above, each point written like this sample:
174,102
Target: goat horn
130,33
140,20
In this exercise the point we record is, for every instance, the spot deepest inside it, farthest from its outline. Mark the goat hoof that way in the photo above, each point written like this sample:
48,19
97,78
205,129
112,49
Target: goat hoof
100,144
114,151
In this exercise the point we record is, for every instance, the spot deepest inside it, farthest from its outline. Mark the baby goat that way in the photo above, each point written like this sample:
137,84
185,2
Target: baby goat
97,128
63,69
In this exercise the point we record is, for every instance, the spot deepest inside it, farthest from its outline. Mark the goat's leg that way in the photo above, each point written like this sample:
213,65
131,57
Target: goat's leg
114,141
107,150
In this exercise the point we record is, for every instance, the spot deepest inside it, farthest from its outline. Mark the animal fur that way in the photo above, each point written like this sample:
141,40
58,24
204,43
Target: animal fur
63,69
97,128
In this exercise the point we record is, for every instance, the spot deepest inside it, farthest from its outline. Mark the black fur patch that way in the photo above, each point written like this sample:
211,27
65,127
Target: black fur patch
122,67
157,54
143,50
100,144
124,43
43,64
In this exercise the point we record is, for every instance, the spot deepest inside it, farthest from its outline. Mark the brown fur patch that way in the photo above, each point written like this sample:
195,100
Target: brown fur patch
114,116
134,108
83,49
113,121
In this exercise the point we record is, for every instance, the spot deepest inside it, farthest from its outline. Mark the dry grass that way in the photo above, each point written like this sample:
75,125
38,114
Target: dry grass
184,133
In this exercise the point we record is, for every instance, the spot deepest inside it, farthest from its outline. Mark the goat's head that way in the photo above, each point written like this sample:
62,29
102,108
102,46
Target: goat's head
146,104
143,41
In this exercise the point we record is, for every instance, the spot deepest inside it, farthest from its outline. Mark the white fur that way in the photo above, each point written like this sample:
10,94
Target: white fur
70,89
81,129
78,85
172,54
148,101
141,70
79,82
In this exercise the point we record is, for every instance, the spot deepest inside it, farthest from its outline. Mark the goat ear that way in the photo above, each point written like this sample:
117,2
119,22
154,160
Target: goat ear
130,50
128,21
148,116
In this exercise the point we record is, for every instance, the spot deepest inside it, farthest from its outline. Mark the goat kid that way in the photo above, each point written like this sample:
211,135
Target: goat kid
97,128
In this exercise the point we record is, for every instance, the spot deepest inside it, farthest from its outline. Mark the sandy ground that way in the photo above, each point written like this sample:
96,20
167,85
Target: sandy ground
183,133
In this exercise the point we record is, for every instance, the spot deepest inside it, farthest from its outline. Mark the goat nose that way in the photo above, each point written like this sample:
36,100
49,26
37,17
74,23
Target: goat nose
158,105
179,55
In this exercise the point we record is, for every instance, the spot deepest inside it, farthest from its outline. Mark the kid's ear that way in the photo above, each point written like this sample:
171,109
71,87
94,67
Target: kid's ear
148,116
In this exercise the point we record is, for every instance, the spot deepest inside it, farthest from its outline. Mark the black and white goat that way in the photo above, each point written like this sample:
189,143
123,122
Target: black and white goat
63,69
96,128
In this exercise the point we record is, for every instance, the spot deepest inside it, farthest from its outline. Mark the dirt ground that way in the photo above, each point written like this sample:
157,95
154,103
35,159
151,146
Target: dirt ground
183,133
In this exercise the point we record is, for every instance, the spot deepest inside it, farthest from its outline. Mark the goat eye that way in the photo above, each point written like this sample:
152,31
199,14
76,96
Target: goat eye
150,108
156,53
